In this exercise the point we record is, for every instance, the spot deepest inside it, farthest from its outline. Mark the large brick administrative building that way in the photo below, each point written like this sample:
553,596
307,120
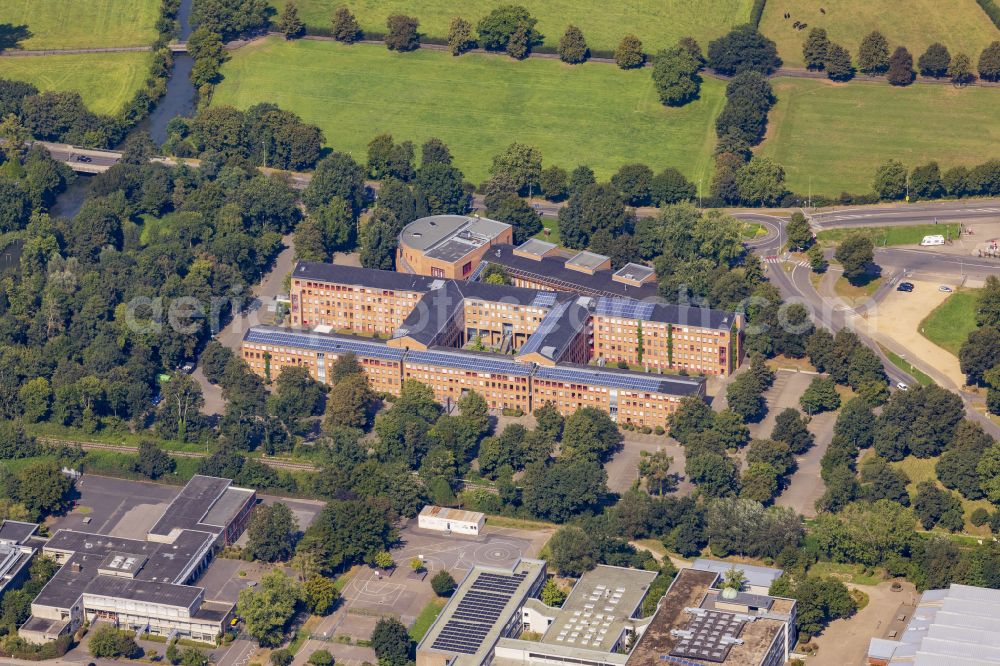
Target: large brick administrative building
520,347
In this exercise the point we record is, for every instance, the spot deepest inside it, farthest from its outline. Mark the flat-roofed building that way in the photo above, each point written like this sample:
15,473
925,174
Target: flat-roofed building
486,606
594,625
144,585
758,579
698,624
443,519
448,246
16,551
958,626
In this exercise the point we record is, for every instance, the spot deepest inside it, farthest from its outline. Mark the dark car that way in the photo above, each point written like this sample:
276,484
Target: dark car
83,158
905,286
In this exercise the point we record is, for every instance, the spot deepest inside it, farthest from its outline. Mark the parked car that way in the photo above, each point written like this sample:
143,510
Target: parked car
905,286
903,386
945,288
187,368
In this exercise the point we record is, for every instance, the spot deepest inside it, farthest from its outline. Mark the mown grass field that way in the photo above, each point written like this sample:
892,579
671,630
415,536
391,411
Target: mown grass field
949,324
588,114
106,81
76,24
961,25
658,23
892,235
834,136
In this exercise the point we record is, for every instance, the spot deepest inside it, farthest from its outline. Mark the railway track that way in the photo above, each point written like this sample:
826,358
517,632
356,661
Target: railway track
276,463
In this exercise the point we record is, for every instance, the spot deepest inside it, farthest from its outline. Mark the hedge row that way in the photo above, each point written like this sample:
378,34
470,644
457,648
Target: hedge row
992,10
758,11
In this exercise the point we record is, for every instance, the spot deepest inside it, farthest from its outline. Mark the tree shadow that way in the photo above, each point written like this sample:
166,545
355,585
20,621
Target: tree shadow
12,35
872,272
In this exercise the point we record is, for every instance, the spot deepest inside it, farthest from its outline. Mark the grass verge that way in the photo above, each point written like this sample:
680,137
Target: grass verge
105,81
550,225
907,367
856,294
892,235
949,324
58,24
658,24
425,619
831,137
478,104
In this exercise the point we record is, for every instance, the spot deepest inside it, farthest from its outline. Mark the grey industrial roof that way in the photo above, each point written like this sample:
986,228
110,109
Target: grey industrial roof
587,259
16,531
154,580
953,627
324,342
622,379
633,271
536,247
552,270
498,364
361,277
194,508
598,607
755,575
427,232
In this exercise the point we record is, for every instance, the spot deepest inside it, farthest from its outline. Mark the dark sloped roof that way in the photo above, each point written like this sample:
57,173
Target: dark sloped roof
432,314
554,269
363,277
559,327
334,344
623,379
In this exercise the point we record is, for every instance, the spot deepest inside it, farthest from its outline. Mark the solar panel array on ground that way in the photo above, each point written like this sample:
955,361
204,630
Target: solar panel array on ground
477,612
471,362
624,307
324,343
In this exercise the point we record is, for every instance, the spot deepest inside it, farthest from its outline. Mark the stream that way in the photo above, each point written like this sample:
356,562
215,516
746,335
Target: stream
179,100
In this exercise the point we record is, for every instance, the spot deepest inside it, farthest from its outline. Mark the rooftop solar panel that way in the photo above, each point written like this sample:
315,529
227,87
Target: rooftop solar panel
320,342
624,307
632,382
544,299
471,362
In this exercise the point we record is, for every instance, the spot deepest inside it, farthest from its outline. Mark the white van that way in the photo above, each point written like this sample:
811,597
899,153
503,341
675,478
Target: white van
932,240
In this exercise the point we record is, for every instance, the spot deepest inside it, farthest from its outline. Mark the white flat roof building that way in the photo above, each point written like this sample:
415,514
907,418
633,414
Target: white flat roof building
456,521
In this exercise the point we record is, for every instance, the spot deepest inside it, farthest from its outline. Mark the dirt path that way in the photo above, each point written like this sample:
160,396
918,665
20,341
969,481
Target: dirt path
845,642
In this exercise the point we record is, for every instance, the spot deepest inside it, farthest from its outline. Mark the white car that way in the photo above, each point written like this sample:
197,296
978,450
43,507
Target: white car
903,387
945,288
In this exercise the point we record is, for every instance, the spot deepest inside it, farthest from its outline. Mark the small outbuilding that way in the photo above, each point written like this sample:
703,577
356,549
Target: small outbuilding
444,519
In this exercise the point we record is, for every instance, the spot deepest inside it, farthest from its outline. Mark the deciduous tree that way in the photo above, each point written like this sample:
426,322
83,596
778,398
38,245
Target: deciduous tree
629,53
934,61
873,54
572,46
402,33
901,67
460,37
345,26
815,49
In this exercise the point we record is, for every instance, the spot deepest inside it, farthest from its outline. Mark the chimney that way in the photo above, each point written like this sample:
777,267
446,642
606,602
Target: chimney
74,567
